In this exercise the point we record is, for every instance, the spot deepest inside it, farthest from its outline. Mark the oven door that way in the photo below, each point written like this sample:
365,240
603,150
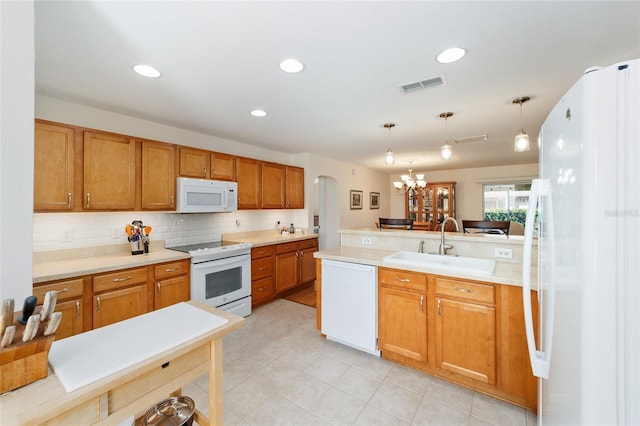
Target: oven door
218,282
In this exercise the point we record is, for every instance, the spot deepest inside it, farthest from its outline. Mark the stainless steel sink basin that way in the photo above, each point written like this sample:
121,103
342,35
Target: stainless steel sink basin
451,263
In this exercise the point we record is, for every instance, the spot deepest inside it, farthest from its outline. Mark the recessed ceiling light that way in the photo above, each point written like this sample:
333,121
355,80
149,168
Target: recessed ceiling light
258,113
147,71
451,55
291,66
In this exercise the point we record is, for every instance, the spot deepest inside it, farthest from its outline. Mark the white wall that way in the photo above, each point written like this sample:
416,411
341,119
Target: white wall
353,177
468,189
16,147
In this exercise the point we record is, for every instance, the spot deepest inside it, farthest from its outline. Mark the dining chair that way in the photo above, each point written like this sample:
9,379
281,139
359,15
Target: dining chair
500,227
389,223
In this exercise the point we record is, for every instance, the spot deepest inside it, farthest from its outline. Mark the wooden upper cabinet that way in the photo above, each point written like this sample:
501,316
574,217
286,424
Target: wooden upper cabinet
223,166
109,172
194,163
53,187
158,176
273,186
294,187
249,175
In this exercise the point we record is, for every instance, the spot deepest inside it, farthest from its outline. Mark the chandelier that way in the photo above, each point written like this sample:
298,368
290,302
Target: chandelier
408,183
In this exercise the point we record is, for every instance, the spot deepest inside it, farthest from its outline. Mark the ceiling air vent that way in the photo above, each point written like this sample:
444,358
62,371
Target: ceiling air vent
437,81
479,138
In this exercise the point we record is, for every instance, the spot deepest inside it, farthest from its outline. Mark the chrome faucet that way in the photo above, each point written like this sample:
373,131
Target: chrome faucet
444,247
421,247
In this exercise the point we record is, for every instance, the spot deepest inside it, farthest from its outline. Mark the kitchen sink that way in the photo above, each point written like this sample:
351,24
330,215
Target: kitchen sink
451,263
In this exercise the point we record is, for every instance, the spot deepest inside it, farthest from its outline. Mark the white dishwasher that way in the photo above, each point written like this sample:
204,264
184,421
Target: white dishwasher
350,304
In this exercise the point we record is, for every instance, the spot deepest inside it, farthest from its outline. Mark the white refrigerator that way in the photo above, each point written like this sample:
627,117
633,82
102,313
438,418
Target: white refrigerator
586,350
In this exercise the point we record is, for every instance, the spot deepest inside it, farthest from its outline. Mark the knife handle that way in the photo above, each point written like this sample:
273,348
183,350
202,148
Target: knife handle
7,338
53,324
27,309
49,305
6,315
31,328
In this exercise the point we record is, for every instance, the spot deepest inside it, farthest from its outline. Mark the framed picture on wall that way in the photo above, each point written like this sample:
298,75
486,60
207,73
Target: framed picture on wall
374,200
356,199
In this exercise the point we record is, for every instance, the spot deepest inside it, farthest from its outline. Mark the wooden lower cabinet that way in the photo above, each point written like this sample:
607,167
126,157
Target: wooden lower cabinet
69,303
402,323
470,333
119,305
172,284
94,301
279,268
287,266
466,339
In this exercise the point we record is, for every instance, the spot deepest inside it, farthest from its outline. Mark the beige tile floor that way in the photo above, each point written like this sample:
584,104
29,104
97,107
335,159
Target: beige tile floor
279,371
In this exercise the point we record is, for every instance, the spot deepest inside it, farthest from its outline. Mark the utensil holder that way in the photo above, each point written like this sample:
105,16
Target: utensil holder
23,363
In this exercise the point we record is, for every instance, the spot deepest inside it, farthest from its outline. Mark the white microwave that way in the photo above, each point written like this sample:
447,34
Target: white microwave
206,196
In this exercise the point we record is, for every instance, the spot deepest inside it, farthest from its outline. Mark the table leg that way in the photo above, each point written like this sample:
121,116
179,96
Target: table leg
216,414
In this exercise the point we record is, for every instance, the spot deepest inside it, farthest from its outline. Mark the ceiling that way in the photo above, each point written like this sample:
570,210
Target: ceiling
220,60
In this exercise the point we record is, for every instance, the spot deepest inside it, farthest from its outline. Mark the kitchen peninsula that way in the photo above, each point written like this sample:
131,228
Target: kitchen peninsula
462,326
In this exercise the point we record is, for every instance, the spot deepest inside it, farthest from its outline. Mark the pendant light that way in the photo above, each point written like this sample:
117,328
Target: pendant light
388,158
446,150
521,142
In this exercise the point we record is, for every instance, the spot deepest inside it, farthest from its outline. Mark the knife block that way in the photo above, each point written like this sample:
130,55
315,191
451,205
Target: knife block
23,363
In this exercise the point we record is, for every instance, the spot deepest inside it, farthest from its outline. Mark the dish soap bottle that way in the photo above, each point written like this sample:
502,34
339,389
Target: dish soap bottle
292,230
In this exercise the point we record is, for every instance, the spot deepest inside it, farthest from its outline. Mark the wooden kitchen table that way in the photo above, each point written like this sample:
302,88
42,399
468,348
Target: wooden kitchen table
130,392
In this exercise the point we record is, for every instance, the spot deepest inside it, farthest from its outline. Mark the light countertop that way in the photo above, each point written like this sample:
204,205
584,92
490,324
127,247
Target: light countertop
68,268
505,273
265,238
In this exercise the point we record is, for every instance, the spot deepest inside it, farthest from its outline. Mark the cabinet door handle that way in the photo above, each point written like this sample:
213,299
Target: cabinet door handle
64,290
172,201
99,305
464,290
88,199
421,303
117,280
402,280
158,285
171,269
204,171
439,313
77,309
69,200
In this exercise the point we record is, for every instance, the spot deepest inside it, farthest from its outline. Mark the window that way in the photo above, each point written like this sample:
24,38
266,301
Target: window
506,201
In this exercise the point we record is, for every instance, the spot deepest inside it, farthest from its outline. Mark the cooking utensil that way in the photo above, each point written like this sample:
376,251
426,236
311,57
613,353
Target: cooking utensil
7,337
27,309
147,230
6,317
49,305
53,324
177,410
128,230
31,328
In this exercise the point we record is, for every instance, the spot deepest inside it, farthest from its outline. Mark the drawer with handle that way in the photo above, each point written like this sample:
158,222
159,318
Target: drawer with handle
70,289
171,269
406,280
475,292
262,251
310,243
261,268
262,289
119,279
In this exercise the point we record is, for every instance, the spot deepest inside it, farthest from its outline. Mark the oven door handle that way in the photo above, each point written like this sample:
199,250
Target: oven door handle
222,262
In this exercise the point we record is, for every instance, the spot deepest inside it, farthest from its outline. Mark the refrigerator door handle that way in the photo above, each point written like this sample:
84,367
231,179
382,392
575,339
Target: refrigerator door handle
539,359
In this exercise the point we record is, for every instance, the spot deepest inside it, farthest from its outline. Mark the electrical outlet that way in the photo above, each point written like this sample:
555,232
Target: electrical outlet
277,224
366,241
237,222
505,253
67,235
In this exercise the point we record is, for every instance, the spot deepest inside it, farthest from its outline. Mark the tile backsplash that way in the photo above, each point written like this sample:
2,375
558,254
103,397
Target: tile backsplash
59,231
